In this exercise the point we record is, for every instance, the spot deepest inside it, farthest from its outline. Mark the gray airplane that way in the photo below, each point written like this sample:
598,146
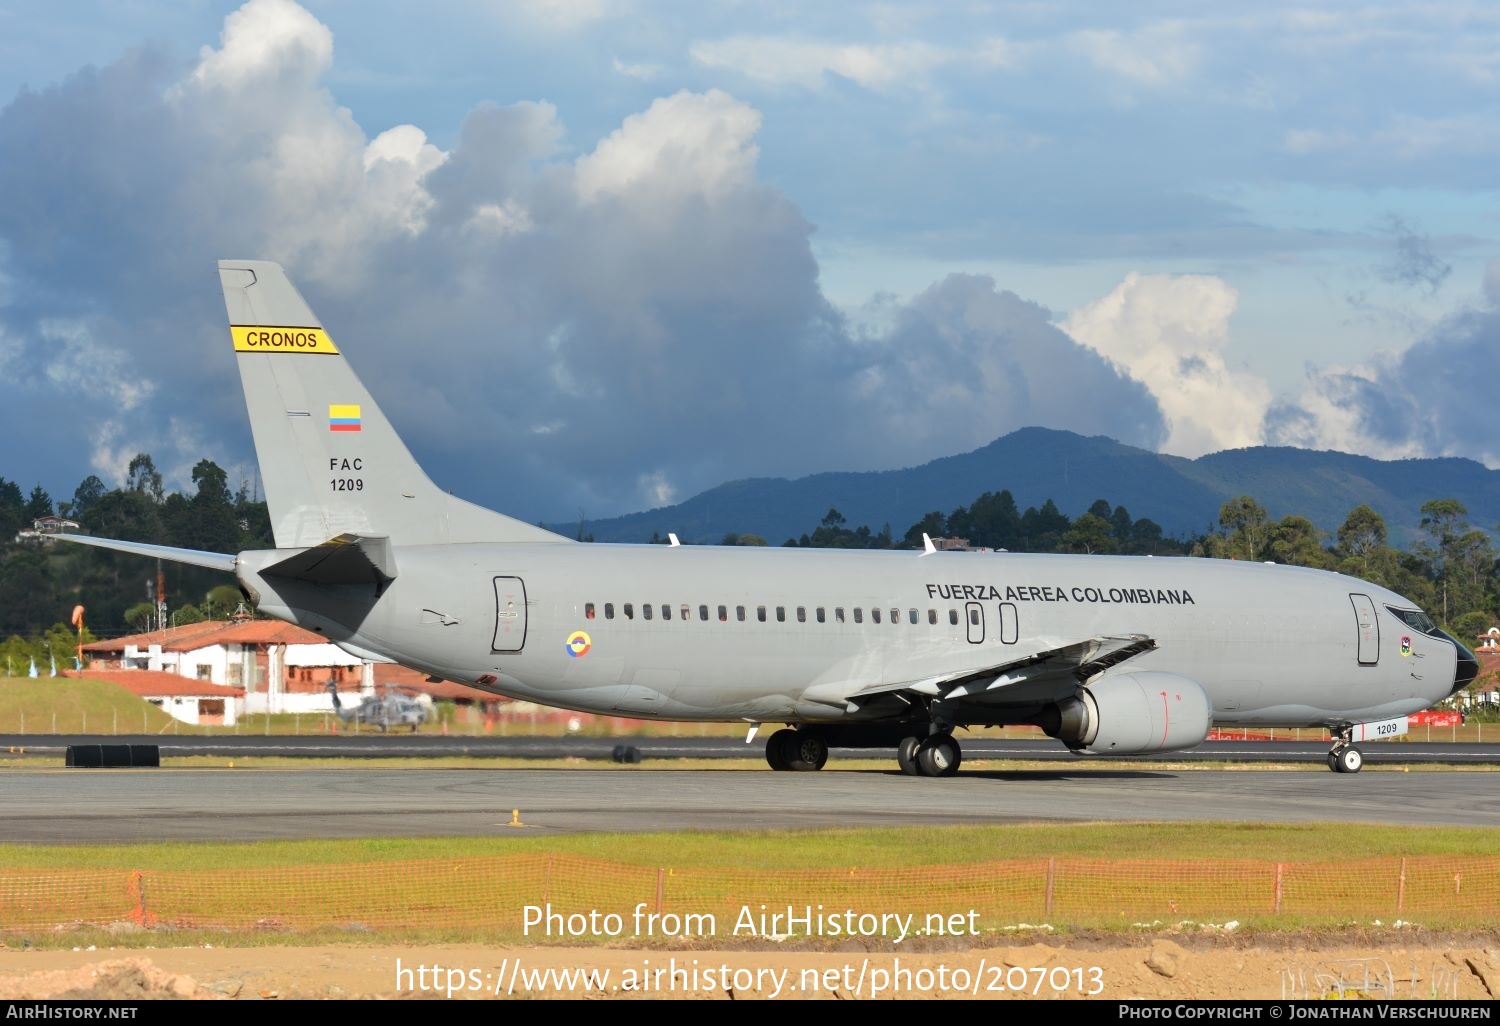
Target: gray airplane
1111,655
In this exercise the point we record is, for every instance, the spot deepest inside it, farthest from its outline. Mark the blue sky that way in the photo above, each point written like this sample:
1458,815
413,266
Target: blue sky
597,256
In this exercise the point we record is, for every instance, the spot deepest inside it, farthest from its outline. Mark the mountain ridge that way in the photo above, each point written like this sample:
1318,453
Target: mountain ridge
1035,464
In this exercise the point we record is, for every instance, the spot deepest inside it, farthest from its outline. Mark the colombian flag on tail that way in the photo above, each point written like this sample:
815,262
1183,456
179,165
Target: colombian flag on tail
343,418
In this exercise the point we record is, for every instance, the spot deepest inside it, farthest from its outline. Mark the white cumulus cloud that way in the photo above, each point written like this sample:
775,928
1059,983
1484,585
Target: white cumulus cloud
1171,333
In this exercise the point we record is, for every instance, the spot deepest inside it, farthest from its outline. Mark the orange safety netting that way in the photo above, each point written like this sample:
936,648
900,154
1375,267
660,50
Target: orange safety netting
557,897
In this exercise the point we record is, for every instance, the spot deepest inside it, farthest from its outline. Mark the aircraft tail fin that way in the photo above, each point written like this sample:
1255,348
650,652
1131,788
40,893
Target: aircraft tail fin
330,461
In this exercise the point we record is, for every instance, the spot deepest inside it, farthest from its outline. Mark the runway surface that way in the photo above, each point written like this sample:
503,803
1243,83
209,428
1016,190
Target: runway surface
403,745
115,806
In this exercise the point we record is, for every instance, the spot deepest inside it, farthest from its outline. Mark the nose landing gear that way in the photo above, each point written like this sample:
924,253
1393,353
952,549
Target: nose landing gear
1345,757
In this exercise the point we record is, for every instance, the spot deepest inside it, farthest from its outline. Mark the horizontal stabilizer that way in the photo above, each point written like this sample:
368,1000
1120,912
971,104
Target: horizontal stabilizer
196,557
346,559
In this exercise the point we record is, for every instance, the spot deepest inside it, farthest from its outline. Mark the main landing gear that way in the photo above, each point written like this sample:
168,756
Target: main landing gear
1345,757
796,750
937,755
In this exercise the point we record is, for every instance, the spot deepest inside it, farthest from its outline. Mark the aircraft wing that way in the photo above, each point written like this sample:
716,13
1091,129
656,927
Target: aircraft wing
197,557
1069,664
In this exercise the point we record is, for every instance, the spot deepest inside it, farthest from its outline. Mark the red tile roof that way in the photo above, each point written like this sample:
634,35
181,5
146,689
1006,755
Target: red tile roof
157,684
213,632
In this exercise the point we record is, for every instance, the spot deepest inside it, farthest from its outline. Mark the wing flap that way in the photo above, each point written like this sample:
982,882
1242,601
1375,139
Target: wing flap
1076,662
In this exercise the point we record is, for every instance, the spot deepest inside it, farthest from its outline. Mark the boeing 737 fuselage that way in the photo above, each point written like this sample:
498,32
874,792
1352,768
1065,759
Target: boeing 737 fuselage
1115,655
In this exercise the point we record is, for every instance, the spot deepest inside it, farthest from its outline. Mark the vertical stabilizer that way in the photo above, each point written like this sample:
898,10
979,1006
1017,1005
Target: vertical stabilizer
330,461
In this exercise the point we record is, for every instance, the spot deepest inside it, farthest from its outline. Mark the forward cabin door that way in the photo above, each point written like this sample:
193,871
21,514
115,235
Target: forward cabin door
1369,629
510,614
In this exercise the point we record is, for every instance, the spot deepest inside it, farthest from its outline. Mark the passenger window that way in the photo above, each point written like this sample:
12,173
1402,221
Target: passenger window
875,615
932,616
953,617
687,612
820,615
895,616
974,618
609,610
913,616
588,610
838,614
859,615
645,610
739,613
801,614
666,611
724,614
781,614
760,613
629,610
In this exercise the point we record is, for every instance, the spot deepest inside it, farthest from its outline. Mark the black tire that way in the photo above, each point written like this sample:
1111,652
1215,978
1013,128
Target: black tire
939,756
1333,762
1351,759
805,752
906,756
779,749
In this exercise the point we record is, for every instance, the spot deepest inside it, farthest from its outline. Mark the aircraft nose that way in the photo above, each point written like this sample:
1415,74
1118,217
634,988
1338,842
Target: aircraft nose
1466,669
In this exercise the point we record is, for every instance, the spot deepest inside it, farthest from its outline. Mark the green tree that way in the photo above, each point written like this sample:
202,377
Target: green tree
12,510
1444,521
38,506
1362,536
88,492
1297,540
1243,521
1090,533
143,477
933,525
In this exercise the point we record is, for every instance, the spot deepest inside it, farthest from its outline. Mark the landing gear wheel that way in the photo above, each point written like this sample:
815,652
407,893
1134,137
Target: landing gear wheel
906,756
1333,761
805,752
939,756
1348,760
779,749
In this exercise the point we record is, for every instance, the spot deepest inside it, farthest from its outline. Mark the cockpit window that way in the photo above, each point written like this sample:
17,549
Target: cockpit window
1416,620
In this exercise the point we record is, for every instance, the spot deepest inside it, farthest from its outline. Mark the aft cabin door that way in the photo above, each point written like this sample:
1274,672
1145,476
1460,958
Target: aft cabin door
510,614
1369,629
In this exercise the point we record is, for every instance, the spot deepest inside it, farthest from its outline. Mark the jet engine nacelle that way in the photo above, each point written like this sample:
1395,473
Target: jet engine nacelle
1133,714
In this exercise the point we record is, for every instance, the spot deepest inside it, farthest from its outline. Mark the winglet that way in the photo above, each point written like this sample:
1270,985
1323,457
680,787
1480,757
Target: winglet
927,547
672,538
